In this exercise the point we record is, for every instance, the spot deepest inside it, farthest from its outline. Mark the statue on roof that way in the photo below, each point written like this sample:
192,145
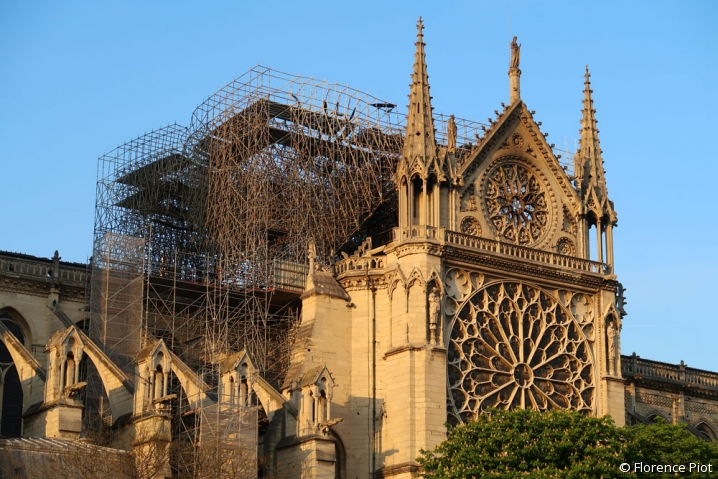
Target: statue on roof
515,53
451,133
312,255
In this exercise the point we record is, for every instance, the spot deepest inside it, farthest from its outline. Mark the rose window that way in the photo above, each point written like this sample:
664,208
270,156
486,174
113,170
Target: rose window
514,346
515,201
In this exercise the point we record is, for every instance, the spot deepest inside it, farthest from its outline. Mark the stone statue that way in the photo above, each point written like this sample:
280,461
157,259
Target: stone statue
451,127
611,334
312,255
515,53
434,311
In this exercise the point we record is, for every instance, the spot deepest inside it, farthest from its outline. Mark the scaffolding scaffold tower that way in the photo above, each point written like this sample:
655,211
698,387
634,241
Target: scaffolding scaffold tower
201,233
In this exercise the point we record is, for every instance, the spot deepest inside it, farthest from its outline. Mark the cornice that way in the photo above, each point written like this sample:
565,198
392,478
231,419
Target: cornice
404,468
418,247
40,288
675,387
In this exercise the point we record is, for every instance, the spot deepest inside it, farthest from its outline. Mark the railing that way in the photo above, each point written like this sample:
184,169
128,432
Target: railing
358,264
635,366
418,232
40,269
522,252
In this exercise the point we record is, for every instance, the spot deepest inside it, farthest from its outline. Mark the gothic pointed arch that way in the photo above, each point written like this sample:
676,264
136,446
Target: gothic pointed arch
611,313
416,276
706,431
12,396
436,278
10,315
397,278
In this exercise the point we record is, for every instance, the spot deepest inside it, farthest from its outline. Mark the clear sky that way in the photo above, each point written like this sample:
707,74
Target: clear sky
79,78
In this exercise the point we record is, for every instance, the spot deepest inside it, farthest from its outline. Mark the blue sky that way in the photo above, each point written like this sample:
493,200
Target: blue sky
79,78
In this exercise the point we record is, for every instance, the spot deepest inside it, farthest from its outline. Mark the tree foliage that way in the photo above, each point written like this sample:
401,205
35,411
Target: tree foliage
663,443
560,444
525,443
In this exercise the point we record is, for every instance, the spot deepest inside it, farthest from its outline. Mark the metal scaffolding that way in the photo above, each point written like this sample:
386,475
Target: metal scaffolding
214,220
201,232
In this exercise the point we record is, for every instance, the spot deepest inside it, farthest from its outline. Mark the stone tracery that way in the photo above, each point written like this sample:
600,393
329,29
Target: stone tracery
471,226
514,346
516,203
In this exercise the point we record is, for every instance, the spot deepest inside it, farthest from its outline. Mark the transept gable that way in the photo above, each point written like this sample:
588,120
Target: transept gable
514,188
516,133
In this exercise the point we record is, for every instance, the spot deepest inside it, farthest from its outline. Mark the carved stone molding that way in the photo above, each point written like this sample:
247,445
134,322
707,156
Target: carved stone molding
566,247
471,226
702,407
654,399
528,269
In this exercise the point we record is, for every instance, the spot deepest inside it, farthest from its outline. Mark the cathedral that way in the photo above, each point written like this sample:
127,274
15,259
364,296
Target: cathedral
386,277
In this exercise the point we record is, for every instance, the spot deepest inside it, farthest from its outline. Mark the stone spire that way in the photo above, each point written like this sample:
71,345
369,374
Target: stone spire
420,141
588,165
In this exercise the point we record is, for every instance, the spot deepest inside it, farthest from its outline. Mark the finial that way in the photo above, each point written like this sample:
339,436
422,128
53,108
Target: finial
56,266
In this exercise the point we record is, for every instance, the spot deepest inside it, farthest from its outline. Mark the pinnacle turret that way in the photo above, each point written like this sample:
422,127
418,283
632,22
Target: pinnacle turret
590,177
420,140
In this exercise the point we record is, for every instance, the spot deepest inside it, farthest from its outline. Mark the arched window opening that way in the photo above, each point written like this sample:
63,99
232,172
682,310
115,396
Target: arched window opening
431,201
654,418
418,191
322,406
243,392
11,395
232,391
159,382
313,406
70,370
706,432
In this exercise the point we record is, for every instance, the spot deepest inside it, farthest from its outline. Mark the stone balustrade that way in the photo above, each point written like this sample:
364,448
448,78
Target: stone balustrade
358,264
39,269
522,252
423,232
632,366
465,241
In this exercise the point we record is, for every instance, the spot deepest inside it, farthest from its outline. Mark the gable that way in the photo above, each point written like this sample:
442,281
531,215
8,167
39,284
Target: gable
514,188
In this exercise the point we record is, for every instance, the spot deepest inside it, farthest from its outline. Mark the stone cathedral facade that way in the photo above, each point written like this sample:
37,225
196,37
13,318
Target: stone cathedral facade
485,298
496,290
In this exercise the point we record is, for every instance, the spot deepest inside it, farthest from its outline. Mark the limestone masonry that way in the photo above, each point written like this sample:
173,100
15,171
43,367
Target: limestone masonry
305,283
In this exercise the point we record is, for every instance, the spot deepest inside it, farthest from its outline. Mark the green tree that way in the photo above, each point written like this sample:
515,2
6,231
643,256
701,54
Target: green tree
531,444
670,444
